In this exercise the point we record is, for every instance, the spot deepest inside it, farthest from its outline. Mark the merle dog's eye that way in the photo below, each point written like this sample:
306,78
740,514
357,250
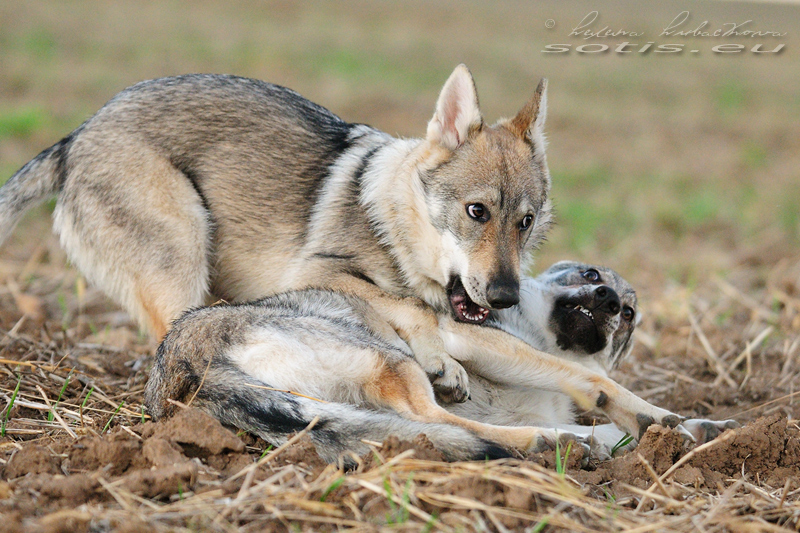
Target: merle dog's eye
628,313
591,275
478,212
526,222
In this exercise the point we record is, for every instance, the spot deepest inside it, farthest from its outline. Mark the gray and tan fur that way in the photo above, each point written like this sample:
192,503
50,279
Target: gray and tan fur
323,345
330,346
183,190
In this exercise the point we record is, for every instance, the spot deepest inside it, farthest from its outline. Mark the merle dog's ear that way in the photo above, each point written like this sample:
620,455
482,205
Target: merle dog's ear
457,113
529,122
561,265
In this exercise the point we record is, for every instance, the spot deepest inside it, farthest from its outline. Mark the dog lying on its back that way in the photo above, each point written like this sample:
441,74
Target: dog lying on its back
330,346
578,312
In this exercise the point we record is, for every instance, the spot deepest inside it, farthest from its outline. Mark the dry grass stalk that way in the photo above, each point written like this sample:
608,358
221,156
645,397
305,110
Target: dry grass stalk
713,358
56,415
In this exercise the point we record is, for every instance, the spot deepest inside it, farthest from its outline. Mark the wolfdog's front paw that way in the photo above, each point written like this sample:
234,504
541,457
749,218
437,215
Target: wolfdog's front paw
703,430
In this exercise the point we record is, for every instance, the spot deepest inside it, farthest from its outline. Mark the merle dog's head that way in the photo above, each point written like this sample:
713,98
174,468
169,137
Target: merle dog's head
585,310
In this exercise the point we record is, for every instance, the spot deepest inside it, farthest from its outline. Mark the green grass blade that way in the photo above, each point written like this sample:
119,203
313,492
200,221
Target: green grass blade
559,466
624,441
60,394
10,406
112,416
332,487
540,525
86,399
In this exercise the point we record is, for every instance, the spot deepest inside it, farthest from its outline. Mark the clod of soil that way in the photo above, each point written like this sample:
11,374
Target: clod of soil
33,459
760,448
152,460
768,448
197,433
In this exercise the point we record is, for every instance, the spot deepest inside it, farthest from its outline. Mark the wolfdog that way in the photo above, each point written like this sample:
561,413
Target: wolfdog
184,190
240,362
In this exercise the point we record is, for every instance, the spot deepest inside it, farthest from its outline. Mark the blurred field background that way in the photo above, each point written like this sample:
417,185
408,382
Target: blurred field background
664,166
681,171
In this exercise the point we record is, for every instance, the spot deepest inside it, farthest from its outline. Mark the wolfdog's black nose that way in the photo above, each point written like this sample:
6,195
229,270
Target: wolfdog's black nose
606,299
503,293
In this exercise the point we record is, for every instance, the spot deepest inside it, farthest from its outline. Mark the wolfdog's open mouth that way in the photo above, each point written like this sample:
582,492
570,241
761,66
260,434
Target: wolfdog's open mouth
465,309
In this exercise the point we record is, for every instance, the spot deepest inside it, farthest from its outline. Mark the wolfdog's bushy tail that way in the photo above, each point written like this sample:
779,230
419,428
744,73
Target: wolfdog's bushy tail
239,400
42,177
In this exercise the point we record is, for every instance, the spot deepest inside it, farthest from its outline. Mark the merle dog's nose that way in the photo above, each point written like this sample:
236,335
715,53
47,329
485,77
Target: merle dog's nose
503,293
606,299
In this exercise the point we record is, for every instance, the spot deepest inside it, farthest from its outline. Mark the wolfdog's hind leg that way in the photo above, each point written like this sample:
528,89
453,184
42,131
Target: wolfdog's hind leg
137,229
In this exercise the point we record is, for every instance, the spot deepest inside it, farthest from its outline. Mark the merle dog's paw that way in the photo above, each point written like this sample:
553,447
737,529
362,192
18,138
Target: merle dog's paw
448,377
644,421
703,430
450,382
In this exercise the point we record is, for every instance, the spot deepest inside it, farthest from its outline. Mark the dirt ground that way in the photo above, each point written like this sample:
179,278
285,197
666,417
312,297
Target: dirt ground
100,465
156,473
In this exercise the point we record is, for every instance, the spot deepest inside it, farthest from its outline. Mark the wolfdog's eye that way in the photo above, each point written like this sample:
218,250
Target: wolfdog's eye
478,212
526,222
628,313
591,275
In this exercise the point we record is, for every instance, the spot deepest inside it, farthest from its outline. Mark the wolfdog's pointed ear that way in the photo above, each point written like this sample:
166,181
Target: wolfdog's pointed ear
529,122
457,114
